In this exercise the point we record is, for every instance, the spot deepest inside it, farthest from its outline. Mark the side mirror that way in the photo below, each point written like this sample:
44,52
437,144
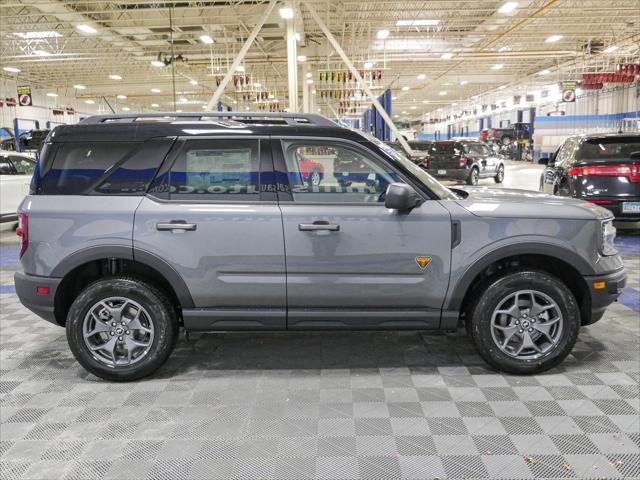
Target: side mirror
401,197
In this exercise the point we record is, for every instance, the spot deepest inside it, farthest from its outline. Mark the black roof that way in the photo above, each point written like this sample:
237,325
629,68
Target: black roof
143,126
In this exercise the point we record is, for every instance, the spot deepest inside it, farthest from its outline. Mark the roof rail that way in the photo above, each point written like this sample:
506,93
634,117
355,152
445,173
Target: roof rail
267,118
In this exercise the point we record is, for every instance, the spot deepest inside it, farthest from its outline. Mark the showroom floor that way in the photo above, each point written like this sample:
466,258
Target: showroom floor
374,405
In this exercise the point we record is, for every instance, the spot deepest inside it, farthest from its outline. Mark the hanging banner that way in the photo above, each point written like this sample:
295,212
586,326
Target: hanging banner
24,96
568,91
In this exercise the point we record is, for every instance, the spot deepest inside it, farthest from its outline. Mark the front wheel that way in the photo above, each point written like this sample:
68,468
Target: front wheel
524,322
499,178
473,177
315,178
121,328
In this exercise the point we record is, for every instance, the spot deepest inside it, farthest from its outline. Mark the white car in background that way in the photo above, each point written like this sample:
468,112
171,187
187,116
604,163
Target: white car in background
16,170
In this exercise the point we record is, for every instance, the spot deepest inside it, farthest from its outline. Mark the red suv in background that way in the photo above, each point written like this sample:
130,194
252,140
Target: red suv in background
312,171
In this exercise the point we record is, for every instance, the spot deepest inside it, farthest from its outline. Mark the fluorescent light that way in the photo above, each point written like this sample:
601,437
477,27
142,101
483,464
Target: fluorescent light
382,34
235,102
368,65
257,85
504,48
156,90
394,98
544,72
463,82
611,49
121,97
41,53
502,87
413,107
206,39
115,77
396,116
417,23
193,82
553,38
442,93
425,101
309,75
239,68
183,100
497,67
447,56
405,88
421,76
11,69
247,108
204,106
79,87
51,94
296,36
90,102
286,13
403,112
86,28
126,109
309,81
508,7
155,105
33,35
157,63
302,58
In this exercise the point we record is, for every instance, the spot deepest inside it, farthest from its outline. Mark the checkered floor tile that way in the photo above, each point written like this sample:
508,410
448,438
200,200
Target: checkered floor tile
330,405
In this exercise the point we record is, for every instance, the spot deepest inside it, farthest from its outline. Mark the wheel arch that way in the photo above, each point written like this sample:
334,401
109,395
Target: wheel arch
93,263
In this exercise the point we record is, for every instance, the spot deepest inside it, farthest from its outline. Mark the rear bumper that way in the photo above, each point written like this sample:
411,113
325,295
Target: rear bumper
453,173
40,304
601,298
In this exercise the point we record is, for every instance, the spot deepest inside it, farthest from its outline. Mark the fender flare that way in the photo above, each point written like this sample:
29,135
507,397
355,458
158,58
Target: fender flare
566,256
128,253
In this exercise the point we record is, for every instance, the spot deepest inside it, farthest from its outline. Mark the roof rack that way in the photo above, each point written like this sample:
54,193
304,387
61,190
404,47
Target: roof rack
265,118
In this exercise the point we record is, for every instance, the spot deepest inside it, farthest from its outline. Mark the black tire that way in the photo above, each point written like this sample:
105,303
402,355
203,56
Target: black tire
315,178
474,176
162,315
501,286
499,178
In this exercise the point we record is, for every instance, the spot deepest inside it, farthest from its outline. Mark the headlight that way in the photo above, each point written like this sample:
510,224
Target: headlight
607,236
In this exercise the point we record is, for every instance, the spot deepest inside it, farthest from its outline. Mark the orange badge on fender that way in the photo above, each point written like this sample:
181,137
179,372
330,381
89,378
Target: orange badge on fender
423,262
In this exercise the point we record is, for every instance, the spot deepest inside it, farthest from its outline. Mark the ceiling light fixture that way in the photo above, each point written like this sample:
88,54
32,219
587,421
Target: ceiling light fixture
11,69
421,76
463,82
89,102
504,48
502,87
497,67
79,87
193,82
115,77
121,97
37,35
257,85
508,7
425,101
309,81
424,22
302,58
405,88
286,13
296,36
309,75
442,93
447,56
553,38
155,90
126,109
41,53
413,107
155,105
544,72
51,94
382,34
157,63
206,39
86,29
611,49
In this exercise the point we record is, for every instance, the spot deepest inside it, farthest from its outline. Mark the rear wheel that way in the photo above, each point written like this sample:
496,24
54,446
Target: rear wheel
499,178
121,328
524,322
474,176
315,178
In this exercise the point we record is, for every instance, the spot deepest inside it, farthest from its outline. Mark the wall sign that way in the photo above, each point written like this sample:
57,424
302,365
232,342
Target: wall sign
24,96
568,91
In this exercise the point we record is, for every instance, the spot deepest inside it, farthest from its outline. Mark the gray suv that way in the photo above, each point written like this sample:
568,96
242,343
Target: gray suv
138,225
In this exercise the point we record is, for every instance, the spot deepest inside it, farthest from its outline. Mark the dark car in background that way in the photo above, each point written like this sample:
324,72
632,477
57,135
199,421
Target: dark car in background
602,169
29,140
465,160
420,150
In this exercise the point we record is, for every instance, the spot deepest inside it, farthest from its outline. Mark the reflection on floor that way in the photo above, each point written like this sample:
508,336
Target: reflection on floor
372,405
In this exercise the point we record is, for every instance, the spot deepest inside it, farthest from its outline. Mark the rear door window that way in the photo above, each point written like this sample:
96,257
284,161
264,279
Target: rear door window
23,166
447,148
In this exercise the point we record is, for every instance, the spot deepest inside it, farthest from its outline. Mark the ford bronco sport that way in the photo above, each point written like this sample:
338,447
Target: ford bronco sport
138,225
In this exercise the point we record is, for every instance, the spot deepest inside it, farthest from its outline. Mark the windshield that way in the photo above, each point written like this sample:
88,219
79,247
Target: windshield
614,148
422,176
422,146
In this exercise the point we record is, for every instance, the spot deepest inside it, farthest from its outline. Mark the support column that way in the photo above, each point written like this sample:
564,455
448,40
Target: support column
292,66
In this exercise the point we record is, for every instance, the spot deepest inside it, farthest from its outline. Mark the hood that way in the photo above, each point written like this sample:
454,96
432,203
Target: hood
516,203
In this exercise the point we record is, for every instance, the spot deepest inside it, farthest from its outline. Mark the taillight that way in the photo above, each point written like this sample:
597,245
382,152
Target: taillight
23,232
632,172
463,161
425,163
599,201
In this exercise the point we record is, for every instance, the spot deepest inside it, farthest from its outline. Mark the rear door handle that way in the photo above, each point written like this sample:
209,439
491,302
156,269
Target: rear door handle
176,225
317,226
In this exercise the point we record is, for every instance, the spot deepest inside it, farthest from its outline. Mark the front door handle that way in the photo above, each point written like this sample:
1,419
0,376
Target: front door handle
318,226
176,225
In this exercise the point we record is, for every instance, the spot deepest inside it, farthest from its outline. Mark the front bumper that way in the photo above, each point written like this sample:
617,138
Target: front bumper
604,290
40,304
